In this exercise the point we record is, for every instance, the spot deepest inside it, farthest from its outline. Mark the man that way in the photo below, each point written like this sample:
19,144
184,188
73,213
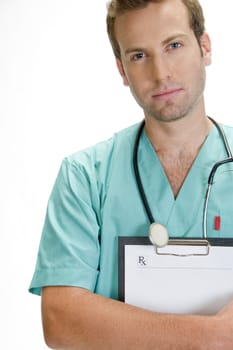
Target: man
161,52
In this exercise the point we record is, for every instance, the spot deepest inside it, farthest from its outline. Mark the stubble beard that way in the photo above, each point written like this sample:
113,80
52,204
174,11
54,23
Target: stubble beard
169,112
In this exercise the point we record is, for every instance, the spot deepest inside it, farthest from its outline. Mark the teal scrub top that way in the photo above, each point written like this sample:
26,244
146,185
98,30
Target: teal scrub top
95,200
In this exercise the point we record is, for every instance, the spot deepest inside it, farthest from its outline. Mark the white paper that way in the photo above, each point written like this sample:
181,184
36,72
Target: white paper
173,284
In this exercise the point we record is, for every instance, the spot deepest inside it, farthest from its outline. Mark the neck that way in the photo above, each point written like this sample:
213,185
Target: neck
189,132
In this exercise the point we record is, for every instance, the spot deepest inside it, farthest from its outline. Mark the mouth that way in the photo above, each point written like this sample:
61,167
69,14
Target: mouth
166,94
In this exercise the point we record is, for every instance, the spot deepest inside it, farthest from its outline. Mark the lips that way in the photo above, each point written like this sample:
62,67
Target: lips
165,94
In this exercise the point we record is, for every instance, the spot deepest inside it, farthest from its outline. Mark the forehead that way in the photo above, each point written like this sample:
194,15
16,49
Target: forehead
157,21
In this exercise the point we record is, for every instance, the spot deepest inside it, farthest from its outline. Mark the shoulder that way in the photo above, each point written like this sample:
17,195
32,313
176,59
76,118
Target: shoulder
228,130
106,151
94,166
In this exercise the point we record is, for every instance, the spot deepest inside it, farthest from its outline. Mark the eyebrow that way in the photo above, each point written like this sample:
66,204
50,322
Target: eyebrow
164,42
173,37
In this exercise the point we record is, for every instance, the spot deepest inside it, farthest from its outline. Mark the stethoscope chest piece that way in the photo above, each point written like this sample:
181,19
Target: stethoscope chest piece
158,235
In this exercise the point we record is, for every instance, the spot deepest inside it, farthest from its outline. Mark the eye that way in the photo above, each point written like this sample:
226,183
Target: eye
138,56
175,45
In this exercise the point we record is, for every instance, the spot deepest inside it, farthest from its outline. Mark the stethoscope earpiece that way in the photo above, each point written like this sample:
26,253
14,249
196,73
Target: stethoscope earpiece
158,235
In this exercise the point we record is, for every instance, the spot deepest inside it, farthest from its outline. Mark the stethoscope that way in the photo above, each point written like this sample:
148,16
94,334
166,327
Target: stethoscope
158,234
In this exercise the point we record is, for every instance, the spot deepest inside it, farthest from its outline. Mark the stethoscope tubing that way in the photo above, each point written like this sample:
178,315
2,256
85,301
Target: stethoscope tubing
137,174
210,179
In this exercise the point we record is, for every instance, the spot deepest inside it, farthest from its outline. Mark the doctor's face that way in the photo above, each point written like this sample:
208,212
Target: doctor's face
161,60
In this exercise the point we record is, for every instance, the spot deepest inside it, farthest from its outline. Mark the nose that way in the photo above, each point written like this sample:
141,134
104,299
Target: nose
160,68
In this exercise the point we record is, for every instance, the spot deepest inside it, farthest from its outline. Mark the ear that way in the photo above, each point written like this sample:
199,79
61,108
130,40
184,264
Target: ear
206,48
122,72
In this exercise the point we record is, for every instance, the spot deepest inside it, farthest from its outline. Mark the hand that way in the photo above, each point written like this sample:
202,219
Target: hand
226,313
224,328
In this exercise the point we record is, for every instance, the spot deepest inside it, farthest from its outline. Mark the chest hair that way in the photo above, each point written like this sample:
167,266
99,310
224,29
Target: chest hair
176,166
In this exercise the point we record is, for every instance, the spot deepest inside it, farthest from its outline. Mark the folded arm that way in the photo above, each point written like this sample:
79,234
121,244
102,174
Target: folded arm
76,319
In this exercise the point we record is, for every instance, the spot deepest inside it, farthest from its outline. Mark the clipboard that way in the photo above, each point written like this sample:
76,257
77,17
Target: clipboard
184,284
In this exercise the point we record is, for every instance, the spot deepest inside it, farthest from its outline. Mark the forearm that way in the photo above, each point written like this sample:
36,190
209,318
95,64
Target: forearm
79,320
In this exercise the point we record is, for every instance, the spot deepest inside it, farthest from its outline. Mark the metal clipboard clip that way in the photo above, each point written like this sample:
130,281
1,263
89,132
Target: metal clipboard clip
185,248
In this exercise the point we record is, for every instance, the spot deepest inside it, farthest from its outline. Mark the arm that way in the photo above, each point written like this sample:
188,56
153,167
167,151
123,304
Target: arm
76,319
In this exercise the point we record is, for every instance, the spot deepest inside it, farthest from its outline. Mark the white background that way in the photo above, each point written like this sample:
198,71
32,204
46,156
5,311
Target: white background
60,92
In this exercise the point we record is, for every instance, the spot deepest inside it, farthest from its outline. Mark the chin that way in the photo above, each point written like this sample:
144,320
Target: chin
168,117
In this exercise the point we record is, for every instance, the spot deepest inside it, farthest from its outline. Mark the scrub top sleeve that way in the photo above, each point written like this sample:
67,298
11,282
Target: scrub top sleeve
69,248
